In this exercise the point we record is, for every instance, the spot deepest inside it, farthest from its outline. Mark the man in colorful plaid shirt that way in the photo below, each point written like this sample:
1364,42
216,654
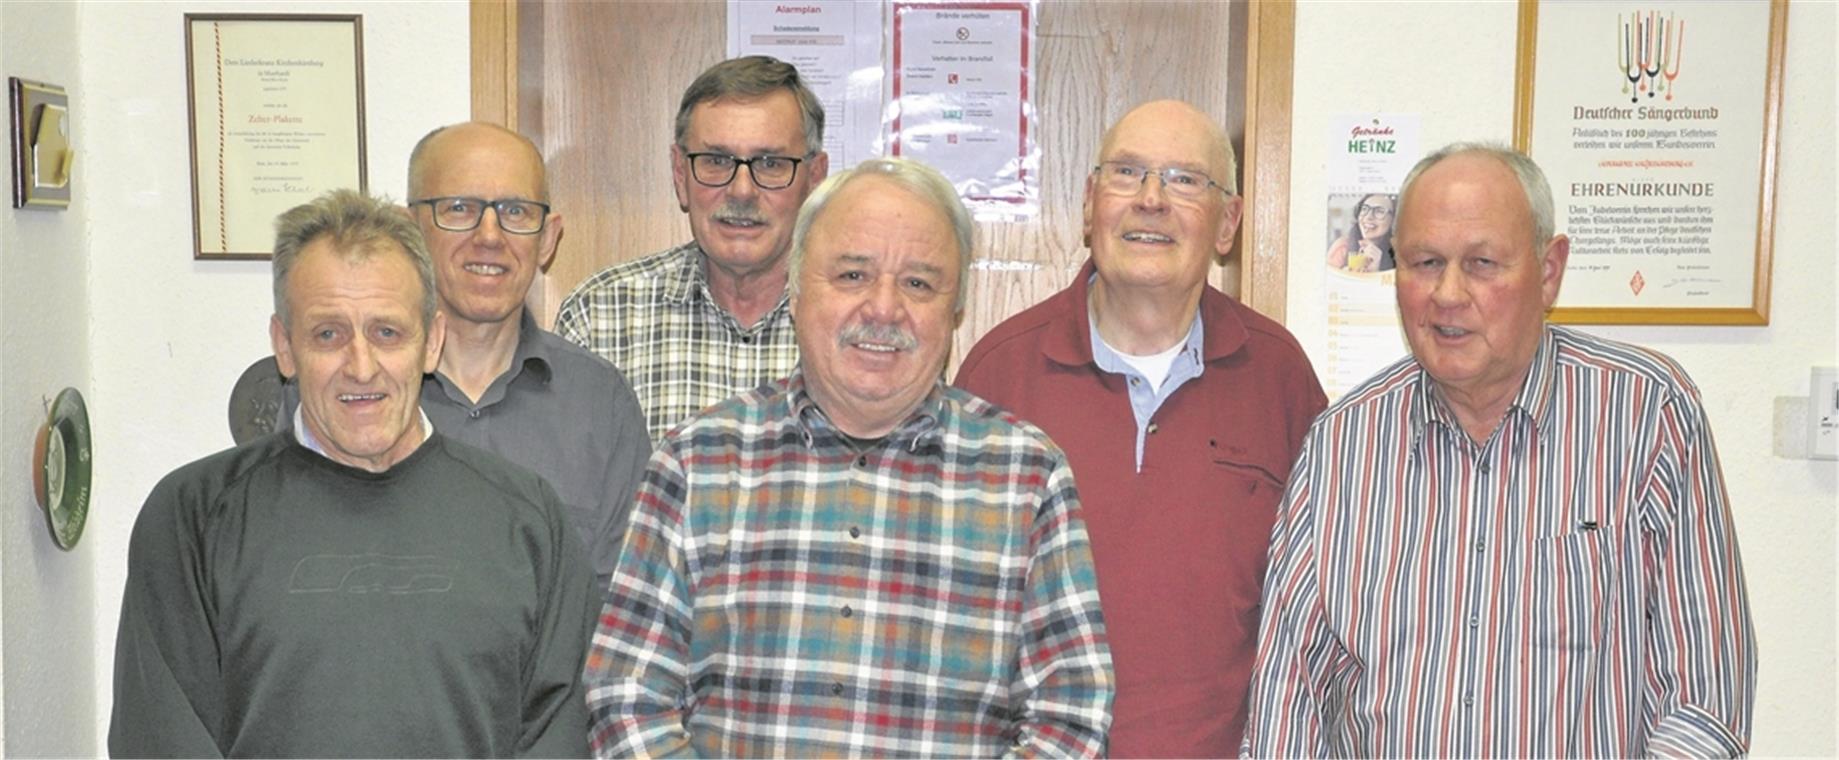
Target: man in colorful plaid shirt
705,320
857,559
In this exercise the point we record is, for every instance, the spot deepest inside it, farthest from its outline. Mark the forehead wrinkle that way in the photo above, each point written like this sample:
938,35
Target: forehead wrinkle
1131,157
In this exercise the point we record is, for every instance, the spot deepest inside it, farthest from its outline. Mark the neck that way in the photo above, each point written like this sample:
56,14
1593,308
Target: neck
859,420
747,295
1479,414
1142,322
478,353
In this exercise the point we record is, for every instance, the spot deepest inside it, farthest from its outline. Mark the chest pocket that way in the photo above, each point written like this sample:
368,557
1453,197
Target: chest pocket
1567,590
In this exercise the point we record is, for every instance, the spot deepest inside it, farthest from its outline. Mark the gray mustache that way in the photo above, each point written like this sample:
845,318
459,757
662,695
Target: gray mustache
888,335
740,210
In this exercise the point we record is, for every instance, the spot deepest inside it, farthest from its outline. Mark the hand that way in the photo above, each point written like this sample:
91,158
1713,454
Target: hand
1368,259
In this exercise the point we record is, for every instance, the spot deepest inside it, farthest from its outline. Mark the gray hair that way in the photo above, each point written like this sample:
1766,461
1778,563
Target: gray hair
754,76
919,179
418,167
358,227
1532,182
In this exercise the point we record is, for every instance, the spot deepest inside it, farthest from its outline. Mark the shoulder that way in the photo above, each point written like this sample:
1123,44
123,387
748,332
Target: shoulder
1018,338
487,473
196,493
1270,342
979,425
638,274
747,419
583,369
1384,394
1581,352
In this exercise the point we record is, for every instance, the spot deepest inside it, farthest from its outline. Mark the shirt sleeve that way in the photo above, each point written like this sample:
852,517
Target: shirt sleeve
638,662
168,688
1297,656
624,469
554,710
1701,659
1064,684
571,323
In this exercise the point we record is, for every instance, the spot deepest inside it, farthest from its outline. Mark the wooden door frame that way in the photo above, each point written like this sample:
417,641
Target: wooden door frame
498,43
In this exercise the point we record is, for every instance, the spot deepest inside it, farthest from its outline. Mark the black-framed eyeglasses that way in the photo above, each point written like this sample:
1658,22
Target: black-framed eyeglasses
460,214
718,169
1377,212
1119,178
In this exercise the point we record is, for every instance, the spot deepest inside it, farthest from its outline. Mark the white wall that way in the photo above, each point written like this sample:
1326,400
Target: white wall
48,622
169,335
1454,65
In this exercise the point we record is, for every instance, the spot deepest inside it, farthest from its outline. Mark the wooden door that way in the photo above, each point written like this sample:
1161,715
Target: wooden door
596,85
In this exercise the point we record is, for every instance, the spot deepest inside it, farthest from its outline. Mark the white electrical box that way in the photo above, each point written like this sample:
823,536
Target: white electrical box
1823,414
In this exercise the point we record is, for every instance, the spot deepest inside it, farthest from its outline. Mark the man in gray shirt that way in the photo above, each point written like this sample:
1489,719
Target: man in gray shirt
503,383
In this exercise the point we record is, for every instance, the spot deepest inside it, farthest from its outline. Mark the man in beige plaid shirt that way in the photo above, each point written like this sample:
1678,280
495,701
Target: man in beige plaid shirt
707,319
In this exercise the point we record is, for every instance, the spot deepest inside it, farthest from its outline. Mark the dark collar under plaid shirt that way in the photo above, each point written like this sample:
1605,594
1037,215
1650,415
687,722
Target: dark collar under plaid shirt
783,593
655,320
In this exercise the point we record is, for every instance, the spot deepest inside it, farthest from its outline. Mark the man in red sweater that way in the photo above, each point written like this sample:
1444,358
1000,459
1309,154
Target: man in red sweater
1180,410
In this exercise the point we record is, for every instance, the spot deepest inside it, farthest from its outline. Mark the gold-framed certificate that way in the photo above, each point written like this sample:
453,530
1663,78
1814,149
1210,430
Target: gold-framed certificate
1658,128
277,119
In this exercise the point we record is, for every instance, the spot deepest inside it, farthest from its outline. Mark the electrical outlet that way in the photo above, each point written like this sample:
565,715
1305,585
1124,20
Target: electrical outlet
1823,414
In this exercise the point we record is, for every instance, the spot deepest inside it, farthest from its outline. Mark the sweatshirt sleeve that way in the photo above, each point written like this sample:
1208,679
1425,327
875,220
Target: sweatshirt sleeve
555,705
168,692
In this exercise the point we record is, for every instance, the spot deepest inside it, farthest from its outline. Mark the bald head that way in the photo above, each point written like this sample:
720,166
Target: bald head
1181,117
455,142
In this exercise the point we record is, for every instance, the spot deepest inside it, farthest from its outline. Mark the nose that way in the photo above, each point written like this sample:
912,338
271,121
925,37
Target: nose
360,360
488,232
743,187
885,303
1451,288
1153,195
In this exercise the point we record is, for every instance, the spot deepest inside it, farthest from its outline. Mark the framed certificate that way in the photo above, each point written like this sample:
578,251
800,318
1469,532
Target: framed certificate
277,119
1658,127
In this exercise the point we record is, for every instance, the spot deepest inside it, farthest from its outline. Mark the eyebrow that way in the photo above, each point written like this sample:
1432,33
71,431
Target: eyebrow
720,148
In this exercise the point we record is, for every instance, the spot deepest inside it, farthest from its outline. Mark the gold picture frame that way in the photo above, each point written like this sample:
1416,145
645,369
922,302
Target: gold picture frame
1666,183
276,112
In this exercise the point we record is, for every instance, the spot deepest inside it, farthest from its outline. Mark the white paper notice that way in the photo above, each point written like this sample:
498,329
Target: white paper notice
1369,155
836,45
961,99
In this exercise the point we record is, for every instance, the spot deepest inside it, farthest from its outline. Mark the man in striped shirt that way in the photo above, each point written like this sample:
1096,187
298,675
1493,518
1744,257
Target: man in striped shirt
705,320
857,560
1515,542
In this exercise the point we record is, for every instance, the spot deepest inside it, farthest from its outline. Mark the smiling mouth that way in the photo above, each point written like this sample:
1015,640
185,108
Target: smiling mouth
1137,236
879,348
1449,332
350,398
487,270
739,222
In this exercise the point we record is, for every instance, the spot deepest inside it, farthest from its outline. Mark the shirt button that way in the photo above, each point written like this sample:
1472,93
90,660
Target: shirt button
862,461
1136,381
473,414
1474,620
1468,699
1481,546
855,532
836,688
1152,428
747,339
847,612
1484,468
